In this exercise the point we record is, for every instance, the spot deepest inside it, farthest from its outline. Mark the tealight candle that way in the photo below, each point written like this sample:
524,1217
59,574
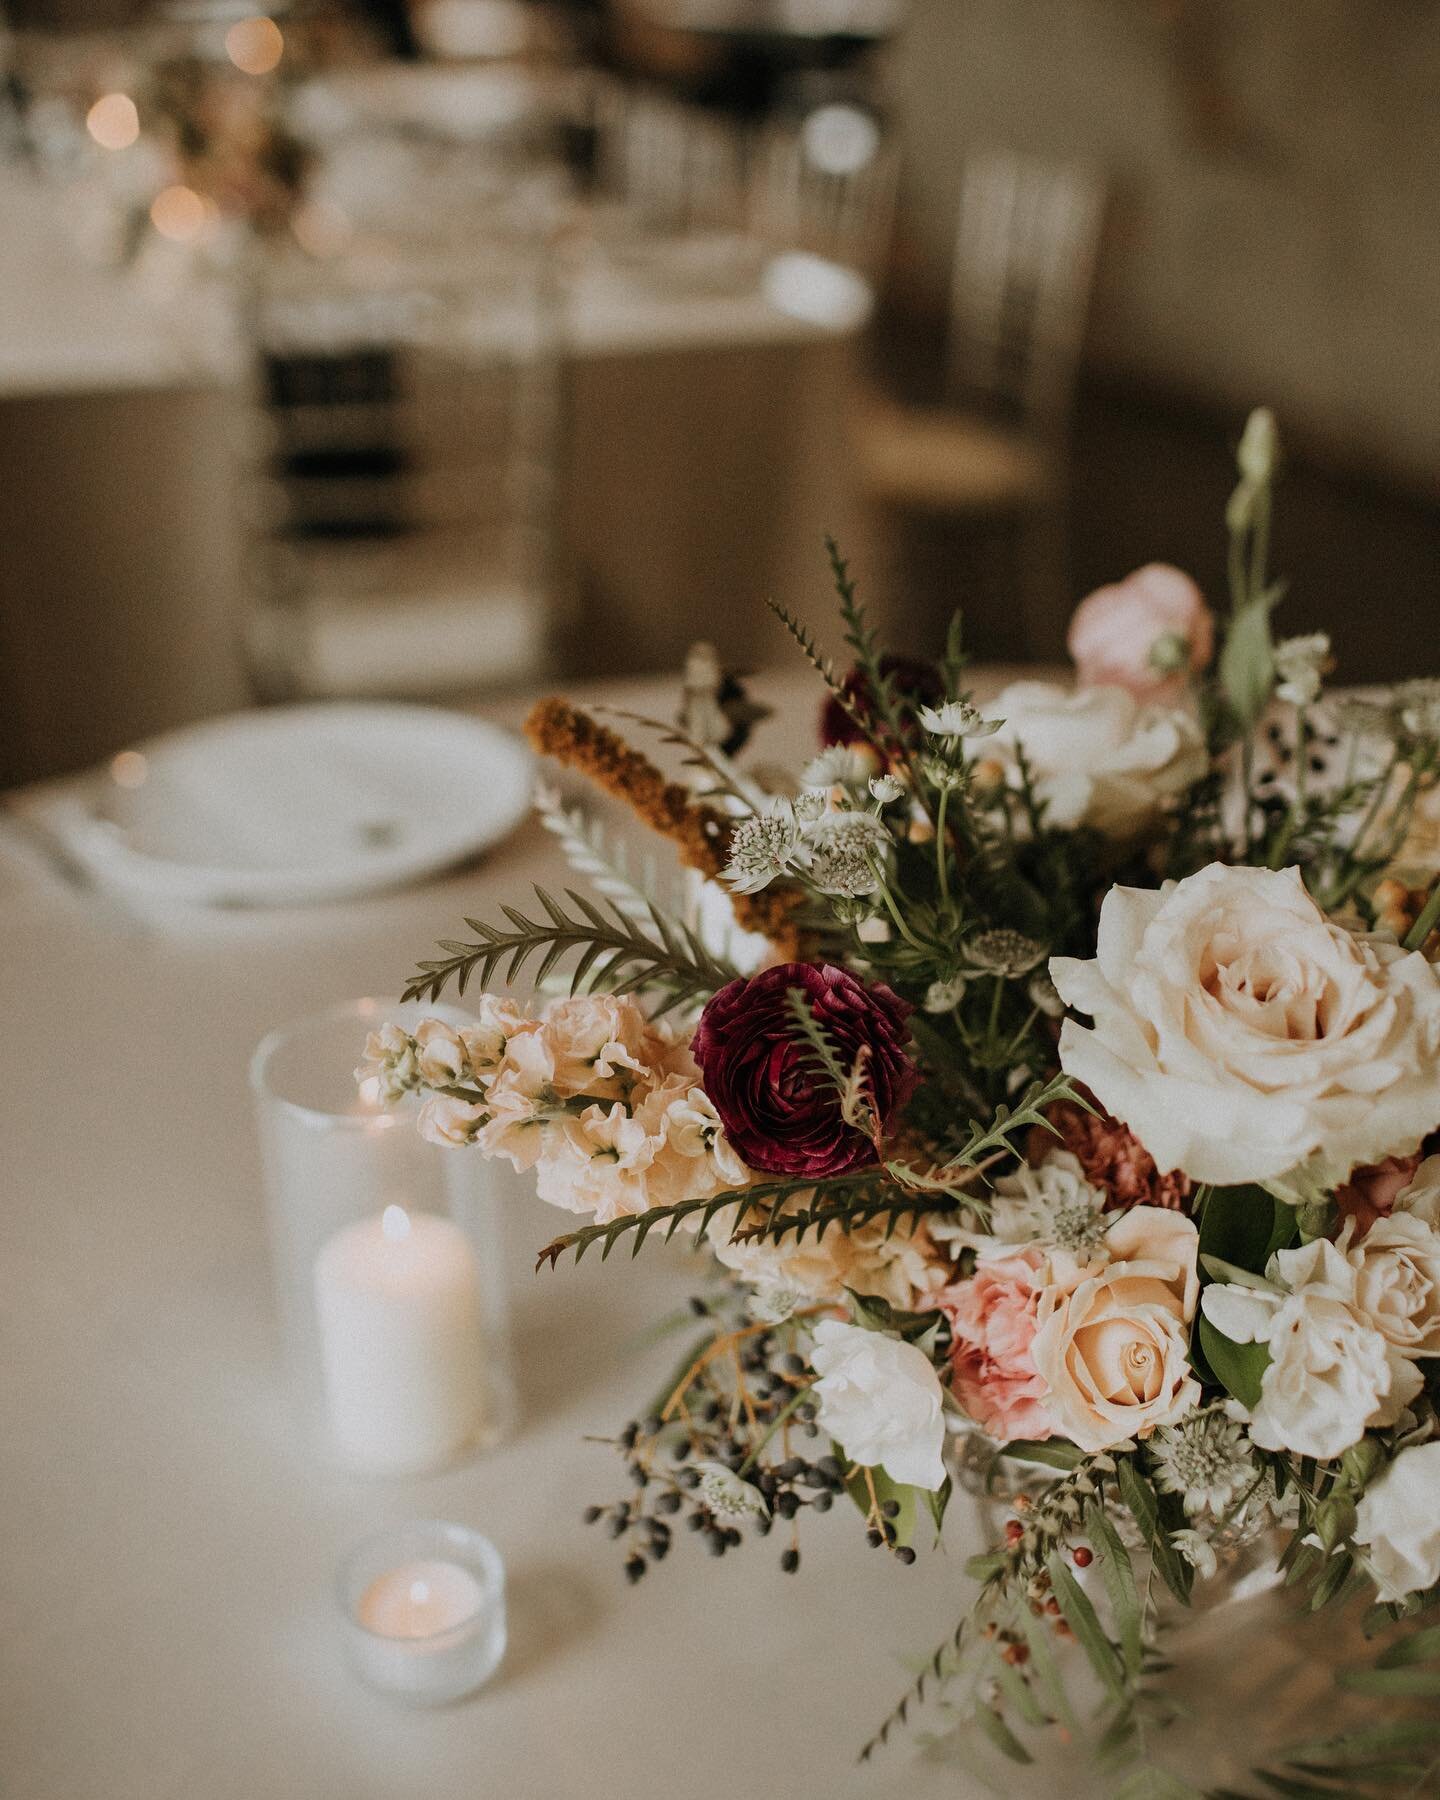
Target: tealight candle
397,1301
425,1611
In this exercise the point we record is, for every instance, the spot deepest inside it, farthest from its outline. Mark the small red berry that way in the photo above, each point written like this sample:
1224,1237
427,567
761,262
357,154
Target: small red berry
1083,1557
1014,1531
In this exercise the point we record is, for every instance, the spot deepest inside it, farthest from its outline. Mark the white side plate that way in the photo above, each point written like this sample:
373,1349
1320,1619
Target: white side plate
299,803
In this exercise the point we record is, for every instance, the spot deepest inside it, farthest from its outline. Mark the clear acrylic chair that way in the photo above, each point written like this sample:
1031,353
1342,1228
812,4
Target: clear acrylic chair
403,448
1024,263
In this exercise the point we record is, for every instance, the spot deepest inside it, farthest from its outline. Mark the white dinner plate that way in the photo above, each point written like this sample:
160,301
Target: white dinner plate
299,803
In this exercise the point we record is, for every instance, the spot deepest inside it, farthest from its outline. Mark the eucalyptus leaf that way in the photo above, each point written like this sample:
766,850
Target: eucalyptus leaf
1144,1504
1081,1617
1000,1735
1118,1576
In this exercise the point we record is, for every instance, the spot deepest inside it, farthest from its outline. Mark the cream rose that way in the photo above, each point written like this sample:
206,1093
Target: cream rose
1399,1520
1397,1280
1237,1032
1113,1351
1331,1372
1098,756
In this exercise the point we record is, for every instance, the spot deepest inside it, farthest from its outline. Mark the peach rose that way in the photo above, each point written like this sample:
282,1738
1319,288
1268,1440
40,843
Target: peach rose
1113,1351
1146,633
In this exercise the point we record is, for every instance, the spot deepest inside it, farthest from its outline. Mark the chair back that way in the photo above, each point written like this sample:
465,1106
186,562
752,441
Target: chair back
827,186
1024,264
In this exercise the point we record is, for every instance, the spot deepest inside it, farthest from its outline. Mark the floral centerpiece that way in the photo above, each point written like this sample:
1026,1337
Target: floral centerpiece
1060,1073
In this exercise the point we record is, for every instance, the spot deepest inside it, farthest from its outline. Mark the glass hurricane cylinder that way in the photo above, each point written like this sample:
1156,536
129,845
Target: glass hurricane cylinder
388,1256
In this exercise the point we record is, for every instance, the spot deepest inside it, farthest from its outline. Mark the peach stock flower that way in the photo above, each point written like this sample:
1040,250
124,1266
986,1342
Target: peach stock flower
1146,633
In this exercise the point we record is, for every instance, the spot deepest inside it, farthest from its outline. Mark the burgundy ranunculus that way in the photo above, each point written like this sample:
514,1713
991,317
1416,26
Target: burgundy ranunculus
917,682
760,1073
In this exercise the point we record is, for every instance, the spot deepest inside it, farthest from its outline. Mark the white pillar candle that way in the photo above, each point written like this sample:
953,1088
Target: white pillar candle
397,1299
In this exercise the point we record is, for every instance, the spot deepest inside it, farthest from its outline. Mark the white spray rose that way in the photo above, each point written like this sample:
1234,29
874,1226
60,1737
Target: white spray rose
1397,1280
882,1400
1237,1032
1099,757
1331,1372
1400,1522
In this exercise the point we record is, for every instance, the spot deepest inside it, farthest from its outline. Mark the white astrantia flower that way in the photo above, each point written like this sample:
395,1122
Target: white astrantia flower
1208,1460
726,1494
809,807
941,996
1240,1034
762,847
1003,952
845,851
842,765
1044,995
1198,1551
1400,1522
1331,1373
1299,664
772,1304
1053,1204
886,788
956,719
881,1399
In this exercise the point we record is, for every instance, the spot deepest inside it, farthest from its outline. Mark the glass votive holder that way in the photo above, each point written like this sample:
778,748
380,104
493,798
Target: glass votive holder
388,1256
423,1611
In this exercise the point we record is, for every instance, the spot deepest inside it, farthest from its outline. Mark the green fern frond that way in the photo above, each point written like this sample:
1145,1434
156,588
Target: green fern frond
610,948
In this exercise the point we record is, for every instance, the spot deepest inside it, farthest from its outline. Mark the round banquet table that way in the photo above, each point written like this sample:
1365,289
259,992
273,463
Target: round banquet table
170,1538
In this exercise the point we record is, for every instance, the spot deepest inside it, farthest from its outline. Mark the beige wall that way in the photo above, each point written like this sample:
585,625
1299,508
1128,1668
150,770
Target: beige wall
1275,229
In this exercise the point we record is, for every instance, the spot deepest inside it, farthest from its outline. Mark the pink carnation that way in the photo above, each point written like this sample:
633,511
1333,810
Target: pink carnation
993,1319
1146,633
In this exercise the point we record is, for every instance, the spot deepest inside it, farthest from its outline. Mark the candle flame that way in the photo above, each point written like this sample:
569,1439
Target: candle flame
395,1223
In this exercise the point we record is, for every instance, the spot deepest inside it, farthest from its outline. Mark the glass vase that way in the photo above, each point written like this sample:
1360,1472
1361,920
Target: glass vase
388,1256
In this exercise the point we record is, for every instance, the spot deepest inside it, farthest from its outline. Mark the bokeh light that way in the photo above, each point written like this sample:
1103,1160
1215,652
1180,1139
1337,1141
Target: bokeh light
179,213
840,140
129,769
255,46
113,121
